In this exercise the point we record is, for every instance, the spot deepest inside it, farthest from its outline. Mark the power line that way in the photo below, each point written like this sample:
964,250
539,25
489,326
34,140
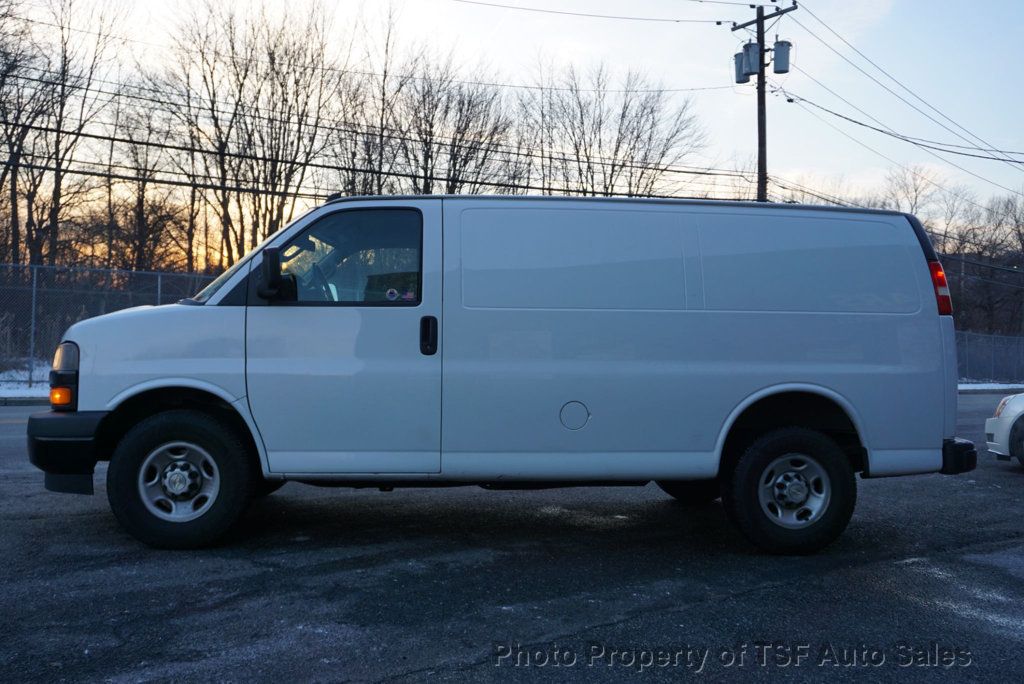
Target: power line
990,147
905,101
830,199
348,128
562,189
363,72
899,136
156,181
982,279
995,267
892,161
554,155
735,3
908,137
959,238
926,179
229,183
590,15
928,151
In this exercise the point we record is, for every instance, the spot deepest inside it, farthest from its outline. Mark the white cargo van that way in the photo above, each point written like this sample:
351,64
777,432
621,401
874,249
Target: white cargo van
761,354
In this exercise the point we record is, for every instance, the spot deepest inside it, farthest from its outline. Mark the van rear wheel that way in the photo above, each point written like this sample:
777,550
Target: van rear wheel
179,479
792,492
691,492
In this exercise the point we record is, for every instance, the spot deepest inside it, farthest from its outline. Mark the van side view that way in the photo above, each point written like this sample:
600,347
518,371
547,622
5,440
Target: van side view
761,354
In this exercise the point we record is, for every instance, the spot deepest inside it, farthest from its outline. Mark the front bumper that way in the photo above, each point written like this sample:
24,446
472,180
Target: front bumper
62,445
997,437
958,456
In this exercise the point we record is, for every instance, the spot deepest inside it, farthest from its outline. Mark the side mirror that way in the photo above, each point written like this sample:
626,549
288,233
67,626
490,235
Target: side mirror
273,284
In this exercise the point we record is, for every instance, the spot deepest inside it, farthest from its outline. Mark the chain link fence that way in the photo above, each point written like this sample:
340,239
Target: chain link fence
990,358
38,303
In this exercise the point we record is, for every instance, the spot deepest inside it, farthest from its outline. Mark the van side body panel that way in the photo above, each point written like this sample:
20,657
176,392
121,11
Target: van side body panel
614,341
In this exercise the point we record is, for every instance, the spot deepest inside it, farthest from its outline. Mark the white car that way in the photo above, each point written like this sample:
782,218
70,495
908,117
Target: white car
761,354
1004,432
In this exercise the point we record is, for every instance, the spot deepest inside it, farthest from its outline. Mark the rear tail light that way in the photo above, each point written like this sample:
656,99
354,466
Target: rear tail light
942,297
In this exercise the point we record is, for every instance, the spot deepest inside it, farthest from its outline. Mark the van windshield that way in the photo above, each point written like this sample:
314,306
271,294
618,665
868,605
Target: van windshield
204,295
207,292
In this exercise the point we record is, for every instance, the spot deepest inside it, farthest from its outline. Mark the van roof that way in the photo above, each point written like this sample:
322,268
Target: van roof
633,200
915,224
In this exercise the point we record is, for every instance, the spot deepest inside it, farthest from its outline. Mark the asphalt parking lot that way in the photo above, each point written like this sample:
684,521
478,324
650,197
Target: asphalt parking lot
466,584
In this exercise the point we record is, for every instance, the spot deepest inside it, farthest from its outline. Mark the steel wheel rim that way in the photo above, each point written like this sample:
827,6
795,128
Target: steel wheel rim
794,491
178,481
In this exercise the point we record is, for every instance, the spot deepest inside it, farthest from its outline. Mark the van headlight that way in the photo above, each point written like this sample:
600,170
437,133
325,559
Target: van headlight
64,377
66,357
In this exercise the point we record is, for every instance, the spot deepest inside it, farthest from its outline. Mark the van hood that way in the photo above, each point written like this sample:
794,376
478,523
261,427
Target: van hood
170,331
86,325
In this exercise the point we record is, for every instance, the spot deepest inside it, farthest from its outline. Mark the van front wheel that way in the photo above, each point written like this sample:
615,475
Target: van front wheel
179,479
792,491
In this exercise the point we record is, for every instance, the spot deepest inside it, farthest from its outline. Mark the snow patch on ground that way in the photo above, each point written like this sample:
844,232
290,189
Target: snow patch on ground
14,382
14,390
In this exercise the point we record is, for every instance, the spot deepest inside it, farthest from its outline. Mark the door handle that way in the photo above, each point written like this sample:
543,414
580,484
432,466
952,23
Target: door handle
428,335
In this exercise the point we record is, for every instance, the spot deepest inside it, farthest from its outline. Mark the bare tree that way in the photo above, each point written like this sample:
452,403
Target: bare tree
386,88
212,69
281,124
910,188
24,99
365,147
454,131
76,102
614,140
149,209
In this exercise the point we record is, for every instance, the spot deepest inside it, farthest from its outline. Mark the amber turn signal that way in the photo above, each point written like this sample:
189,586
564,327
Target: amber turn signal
60,396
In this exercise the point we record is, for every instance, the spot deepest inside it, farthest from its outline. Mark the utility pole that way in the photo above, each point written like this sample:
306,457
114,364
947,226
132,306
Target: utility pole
745,68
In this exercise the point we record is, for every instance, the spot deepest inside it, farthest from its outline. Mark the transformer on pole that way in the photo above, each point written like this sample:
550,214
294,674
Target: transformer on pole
750,62
780,56
741,68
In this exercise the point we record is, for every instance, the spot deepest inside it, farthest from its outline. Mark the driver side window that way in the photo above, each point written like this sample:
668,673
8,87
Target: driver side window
369,257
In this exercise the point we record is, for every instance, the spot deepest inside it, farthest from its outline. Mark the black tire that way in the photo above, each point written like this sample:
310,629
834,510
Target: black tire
741,493
265,488
1017,440
691,492
236,478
